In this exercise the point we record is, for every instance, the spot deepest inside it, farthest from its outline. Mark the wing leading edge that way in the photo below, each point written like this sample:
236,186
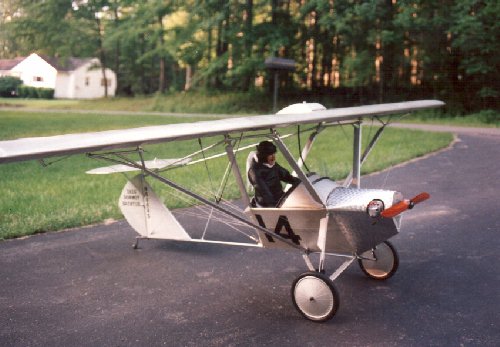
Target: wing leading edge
42,147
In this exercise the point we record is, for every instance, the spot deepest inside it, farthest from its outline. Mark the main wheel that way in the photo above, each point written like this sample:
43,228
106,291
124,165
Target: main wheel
381,262
315,297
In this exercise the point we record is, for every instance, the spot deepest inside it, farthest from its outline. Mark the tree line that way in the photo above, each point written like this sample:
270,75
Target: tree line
359,51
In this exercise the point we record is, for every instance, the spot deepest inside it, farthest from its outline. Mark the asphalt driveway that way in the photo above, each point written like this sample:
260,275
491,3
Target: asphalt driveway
88,287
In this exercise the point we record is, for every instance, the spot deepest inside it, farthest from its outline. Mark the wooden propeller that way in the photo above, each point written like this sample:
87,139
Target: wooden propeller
404,205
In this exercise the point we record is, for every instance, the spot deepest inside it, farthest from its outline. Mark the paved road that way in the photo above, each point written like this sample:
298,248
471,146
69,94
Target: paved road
87,287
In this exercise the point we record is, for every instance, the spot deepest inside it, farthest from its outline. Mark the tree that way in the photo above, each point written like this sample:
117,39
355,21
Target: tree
476,37
376,50
48,27
358,37
93,12
9,47
387,48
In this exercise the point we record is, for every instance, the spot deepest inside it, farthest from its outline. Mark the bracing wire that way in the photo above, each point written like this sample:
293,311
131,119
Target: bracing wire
225,178
300,149
203,212
45,163
208,170
394,150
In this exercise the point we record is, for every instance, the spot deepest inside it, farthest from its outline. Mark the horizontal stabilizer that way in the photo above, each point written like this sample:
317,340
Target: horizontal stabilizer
155,164
404,205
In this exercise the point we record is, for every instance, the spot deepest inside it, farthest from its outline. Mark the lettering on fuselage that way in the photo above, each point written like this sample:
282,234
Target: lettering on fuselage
282,222
131,198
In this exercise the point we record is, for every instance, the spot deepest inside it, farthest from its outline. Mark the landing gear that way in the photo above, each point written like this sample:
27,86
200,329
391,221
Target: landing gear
381,262
313,293
315,297
136,243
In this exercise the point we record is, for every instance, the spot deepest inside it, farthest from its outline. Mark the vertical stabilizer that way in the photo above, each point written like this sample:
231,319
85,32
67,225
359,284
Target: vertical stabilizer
145,212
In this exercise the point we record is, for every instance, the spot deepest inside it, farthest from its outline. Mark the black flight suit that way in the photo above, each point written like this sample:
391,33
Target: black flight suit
267,182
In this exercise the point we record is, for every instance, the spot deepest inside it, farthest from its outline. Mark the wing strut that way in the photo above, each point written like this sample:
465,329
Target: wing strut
368,149
237,173
289,158
307,148
356,156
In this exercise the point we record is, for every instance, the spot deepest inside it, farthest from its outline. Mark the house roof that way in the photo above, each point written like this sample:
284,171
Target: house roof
66,63
59,63
7,64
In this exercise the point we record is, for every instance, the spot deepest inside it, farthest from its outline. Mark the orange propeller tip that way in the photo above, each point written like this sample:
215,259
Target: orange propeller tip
420,197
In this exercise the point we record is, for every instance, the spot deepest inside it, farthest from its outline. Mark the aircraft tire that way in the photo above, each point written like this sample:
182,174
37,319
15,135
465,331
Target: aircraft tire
385,265
314,295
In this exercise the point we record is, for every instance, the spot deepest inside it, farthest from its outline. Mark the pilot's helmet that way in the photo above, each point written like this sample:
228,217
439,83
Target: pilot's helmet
264,149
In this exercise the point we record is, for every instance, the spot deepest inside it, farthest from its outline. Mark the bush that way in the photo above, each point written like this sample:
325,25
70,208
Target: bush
9,85
24,91
489,116
35,93
45,93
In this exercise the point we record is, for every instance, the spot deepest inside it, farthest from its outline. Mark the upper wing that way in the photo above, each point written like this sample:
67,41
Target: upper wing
41,147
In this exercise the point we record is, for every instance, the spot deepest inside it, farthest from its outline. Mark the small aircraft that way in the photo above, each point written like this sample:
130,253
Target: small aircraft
319,216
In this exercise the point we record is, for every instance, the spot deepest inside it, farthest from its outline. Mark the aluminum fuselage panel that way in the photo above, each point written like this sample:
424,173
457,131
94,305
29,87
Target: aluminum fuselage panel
349,230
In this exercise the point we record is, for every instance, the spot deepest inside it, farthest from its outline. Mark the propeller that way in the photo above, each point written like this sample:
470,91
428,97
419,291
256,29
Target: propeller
404,205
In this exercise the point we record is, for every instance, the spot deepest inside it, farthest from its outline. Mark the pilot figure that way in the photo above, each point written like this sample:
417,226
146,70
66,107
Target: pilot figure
265,174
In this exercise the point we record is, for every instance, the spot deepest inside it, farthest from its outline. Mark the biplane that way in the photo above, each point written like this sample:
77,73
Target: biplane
319,216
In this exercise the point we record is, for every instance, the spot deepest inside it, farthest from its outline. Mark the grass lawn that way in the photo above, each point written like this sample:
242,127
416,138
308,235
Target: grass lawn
486,119
217,103
229,103
39,199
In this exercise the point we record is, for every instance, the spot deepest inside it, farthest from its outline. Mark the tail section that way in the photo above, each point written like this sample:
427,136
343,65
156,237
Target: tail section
145,212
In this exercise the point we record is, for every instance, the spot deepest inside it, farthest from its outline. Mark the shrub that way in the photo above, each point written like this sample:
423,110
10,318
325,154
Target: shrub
45,93
489,116
9,85
24,91
35,93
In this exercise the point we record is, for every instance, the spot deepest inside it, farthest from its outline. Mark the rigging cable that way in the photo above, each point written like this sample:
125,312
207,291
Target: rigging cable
300,149
208,171
211,190
225,178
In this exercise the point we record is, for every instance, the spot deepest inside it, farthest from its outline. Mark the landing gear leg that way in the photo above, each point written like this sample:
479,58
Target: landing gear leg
136,243
313,293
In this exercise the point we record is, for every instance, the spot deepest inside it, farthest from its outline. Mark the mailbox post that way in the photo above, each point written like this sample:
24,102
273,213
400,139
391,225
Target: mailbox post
276,65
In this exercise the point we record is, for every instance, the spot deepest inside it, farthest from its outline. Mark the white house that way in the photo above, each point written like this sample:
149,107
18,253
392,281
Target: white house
71,78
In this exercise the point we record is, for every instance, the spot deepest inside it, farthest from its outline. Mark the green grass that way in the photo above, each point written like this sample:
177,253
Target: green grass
195,102
228,103
485,118
15,124
37,103
39,199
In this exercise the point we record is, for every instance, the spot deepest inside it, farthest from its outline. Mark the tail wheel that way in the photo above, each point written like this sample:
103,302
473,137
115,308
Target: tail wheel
381,262
315,297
